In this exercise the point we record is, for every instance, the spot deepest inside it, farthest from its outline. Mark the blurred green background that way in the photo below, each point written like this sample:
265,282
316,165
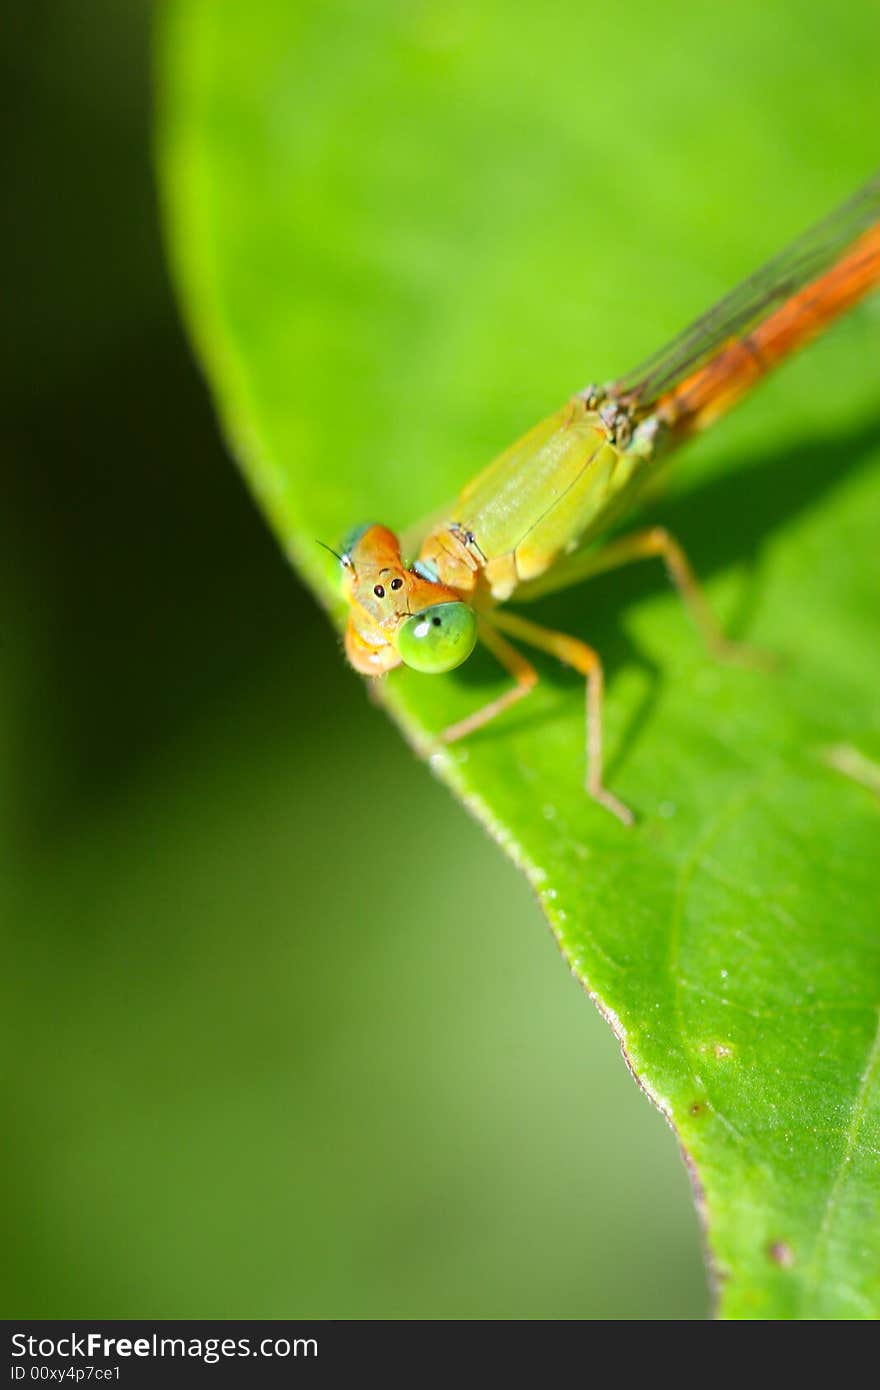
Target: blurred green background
226,1093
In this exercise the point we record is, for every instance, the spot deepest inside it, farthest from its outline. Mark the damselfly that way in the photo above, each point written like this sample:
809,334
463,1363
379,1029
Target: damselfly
531,522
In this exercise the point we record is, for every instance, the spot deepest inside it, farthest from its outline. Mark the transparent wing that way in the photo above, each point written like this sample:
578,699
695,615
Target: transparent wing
750,302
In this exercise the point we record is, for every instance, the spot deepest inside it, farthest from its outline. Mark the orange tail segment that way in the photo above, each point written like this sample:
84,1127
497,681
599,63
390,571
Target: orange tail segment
711,390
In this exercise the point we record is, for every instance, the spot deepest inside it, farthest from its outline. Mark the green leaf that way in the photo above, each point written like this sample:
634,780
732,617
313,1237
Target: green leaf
402,233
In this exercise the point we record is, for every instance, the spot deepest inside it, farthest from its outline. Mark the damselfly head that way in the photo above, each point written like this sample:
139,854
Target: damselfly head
398,614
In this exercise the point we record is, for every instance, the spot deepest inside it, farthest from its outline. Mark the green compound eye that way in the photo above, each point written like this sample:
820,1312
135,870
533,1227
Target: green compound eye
439,638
